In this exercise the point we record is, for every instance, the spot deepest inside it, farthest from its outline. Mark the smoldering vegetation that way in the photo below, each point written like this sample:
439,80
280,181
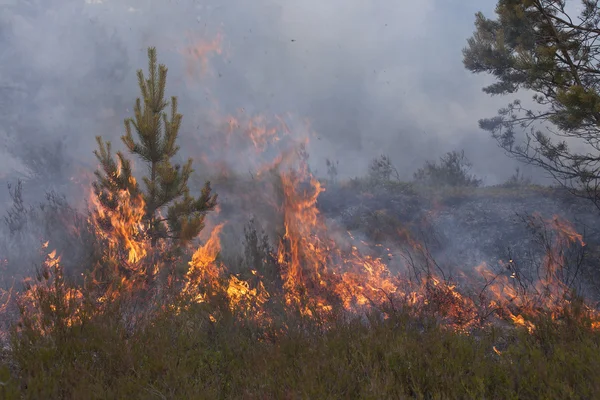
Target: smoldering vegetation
460,226
326,270
420,232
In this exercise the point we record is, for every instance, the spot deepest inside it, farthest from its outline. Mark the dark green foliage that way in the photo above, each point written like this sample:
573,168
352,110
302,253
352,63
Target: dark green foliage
166,187
452,170
536,45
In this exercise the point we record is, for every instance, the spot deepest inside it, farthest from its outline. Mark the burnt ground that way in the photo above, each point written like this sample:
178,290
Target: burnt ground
460,227
464,227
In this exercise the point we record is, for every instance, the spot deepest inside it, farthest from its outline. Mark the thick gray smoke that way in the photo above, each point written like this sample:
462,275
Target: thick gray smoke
371,77
361,78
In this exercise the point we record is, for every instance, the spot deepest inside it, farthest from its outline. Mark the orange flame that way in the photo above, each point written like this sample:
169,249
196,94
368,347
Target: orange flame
127,228
198,54
317,273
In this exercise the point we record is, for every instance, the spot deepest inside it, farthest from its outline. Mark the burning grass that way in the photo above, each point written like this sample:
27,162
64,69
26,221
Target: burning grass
309,311
314,314
311,316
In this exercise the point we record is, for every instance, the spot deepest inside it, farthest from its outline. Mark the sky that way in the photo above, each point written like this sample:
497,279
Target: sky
370,77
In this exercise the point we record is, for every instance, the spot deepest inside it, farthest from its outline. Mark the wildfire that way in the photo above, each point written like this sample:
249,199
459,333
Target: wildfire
317,275
517,299
197,55
127,229
206,278
241,296
204,269
317,272
48,303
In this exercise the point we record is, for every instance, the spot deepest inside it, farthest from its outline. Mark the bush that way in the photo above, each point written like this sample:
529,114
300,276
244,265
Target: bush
25,227
452,170
332,171
382,170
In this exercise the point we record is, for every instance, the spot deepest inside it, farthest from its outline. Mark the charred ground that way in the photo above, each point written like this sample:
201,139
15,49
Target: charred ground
210,350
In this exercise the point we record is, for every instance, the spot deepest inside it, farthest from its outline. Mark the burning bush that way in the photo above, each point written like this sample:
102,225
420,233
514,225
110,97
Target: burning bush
139,324
304,268
131,218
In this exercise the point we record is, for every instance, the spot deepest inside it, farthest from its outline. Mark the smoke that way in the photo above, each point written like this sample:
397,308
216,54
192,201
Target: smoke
360,78
370,77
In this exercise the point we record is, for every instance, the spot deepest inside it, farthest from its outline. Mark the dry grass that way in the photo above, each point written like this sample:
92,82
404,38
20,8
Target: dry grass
186,356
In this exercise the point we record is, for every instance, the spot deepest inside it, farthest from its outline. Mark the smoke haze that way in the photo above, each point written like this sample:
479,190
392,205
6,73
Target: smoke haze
370,77
352,79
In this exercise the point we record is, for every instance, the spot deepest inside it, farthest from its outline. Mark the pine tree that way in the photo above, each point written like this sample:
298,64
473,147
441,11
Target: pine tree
541,46
166,188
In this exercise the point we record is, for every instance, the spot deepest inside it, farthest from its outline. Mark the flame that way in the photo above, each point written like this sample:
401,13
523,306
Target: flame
301,251
243,142
126,223
241,296
50,297
518,301
204,267
198,54
317,271
318,274
205,278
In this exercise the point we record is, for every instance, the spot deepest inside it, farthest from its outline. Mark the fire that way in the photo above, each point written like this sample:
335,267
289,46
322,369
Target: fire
197,55
204,268
126,223
317,272
261,133
318,275
206,277
243,142
301,251
50,302
241,296
519,300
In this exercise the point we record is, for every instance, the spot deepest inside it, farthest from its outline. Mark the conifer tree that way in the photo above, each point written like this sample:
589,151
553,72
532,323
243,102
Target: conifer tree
552,50
171,213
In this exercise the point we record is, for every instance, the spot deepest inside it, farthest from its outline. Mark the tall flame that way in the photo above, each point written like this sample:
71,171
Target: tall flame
317,272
